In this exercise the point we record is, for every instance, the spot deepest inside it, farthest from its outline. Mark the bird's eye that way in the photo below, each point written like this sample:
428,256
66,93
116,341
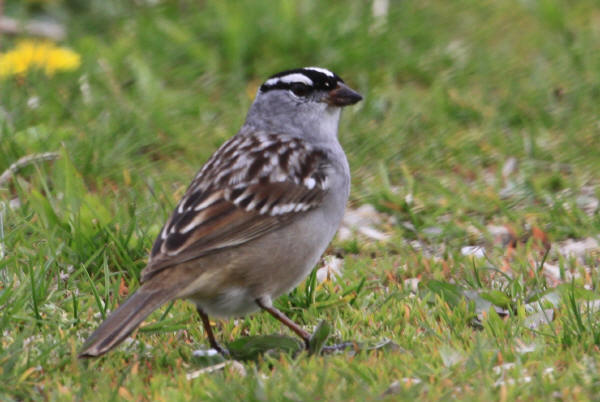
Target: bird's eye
300,89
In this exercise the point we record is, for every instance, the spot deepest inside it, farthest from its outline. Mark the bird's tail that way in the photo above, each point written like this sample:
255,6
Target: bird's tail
124,320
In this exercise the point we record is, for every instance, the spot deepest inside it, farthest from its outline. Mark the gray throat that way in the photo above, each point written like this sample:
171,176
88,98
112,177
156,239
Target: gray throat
318,126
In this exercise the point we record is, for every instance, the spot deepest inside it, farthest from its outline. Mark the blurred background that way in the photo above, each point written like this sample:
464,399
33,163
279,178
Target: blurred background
141,91
480,120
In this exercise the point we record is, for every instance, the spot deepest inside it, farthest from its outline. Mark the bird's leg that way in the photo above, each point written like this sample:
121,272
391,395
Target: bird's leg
266,305
306,337
211,337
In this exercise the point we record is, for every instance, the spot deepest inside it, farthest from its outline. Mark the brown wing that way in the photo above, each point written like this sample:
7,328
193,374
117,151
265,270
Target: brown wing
251,186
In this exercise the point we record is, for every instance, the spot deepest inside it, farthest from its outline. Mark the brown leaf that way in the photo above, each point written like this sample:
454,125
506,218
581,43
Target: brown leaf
123,393
541,238
512,240
508,255
123,289
503,235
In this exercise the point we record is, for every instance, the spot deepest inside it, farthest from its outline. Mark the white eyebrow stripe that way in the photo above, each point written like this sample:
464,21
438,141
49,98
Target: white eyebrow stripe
288,79
320,70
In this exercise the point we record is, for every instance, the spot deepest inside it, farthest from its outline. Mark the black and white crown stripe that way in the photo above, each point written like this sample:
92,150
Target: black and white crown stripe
264,174
289,79
314,77
322,71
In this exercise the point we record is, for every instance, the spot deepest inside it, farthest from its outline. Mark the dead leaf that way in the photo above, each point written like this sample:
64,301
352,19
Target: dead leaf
588,203
526,348
237,368
123,393
123,289
510,166
397,386
535,320
578,248
63,390
331,269
234,367
502,368
475,251
503,235
363,220
412,284
552,272
205,353
450,356
206,370
541,237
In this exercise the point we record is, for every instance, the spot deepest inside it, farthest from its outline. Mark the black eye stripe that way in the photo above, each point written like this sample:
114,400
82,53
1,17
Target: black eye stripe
320,80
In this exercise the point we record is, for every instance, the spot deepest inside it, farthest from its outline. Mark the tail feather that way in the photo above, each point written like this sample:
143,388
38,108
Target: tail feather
124,320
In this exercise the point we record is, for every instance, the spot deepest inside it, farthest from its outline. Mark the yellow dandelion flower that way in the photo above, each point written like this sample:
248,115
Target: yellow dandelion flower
61,59
46,56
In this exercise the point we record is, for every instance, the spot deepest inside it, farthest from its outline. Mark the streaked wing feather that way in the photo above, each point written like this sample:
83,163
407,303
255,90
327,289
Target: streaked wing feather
226,211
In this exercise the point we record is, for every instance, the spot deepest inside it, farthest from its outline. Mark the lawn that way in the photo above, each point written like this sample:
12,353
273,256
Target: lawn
469,260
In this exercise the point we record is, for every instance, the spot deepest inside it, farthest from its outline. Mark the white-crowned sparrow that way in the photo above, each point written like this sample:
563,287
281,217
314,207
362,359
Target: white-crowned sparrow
258,215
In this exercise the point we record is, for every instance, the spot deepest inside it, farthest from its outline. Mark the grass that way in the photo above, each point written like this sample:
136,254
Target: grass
475,114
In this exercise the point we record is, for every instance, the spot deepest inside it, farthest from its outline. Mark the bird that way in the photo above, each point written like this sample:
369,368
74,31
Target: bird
256,218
